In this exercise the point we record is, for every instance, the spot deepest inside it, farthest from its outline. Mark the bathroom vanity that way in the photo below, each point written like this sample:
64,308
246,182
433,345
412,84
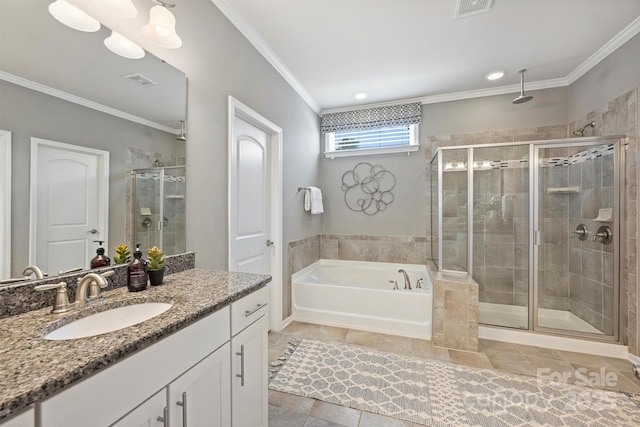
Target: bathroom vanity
202,362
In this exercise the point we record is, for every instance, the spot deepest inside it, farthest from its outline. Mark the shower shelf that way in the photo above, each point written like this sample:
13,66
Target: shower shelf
563,190
175,196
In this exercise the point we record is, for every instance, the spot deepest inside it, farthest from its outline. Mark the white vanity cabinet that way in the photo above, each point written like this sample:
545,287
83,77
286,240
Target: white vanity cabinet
249,353
25,419
120,390
148,413
200,396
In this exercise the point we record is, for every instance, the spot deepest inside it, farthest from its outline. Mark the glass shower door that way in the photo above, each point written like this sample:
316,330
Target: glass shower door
147,194
576,238
501,234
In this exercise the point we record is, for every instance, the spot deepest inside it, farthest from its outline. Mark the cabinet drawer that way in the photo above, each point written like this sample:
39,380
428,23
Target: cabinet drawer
249,309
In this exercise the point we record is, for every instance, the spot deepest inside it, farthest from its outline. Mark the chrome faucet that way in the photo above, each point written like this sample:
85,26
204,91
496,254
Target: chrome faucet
90,287
34,269
407,282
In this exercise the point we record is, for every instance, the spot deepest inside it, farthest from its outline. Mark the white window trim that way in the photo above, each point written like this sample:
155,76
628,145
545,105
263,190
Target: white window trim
329,141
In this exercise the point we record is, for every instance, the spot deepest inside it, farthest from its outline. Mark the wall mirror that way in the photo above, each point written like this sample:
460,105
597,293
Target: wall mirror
59,84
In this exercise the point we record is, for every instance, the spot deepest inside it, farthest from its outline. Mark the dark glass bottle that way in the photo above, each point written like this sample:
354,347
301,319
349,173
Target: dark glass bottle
137,272
100,260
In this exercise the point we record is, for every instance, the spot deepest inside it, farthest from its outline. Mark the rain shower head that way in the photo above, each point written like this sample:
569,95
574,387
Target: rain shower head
522,98
580,132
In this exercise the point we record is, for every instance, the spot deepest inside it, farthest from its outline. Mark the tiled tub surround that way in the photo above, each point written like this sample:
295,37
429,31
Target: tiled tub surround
22,297
28,372
395,249
455,311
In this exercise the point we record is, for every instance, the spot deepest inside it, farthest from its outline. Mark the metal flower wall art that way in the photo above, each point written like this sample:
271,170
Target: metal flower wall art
368,188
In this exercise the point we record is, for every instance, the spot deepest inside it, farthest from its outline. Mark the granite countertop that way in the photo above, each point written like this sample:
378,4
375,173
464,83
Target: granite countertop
32,368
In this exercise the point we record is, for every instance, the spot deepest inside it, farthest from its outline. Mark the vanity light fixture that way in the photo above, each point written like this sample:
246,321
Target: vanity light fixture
73,17
120,45
161,28
360,95
495,75
121,8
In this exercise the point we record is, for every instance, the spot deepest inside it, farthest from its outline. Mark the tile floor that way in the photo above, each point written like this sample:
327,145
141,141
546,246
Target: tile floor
286,410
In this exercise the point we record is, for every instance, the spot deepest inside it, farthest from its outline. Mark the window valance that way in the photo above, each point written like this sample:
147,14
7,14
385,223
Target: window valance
377,117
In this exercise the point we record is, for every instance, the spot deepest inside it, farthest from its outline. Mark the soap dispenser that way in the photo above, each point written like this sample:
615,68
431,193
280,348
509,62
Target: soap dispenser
137,272
100,260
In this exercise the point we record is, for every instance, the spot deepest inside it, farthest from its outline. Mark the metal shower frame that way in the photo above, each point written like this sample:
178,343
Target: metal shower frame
533,219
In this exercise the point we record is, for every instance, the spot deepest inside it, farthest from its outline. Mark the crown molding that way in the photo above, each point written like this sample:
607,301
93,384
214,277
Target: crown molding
263,48
247,30
609,47
29,84
373,105
501,90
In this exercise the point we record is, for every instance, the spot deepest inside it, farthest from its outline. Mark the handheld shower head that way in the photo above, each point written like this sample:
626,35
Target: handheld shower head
522,98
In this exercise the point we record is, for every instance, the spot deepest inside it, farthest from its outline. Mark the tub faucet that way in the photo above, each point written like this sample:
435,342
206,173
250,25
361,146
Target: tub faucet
34,269
407,282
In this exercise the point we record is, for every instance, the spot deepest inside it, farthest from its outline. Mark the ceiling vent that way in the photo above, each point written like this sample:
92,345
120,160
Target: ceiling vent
466,8
139,80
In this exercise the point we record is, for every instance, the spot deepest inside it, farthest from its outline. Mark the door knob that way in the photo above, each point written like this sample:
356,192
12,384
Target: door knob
93,231
269,243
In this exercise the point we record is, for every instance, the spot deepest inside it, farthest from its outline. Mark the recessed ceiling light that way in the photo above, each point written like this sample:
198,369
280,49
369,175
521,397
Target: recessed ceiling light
360,95
495,75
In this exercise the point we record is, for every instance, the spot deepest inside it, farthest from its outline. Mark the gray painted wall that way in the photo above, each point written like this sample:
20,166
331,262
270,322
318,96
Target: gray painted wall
28,113
219,62
615,75
407,214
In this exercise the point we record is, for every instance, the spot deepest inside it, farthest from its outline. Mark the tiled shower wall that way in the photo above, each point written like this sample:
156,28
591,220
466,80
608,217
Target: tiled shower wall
618,117
591,264
500,224
174,208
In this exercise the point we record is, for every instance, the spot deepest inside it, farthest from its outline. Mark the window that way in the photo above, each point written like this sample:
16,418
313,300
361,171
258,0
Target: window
376,130
388,139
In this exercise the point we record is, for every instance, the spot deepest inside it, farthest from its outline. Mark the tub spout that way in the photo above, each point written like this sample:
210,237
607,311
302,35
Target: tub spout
407,282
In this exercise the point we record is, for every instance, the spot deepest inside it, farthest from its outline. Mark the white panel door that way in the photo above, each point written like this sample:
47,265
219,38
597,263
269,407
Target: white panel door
67,208
250,189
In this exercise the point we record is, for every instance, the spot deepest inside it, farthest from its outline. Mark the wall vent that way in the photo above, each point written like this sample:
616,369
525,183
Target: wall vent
466,8
139,80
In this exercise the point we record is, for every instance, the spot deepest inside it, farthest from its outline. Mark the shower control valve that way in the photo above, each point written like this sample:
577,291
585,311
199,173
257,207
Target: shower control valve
604,235
580,232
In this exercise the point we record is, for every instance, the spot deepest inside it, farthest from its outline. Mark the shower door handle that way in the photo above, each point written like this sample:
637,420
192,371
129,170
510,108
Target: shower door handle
537,237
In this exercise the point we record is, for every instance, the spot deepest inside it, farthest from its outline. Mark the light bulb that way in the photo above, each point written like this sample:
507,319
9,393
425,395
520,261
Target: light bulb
161,28
73,17
122,46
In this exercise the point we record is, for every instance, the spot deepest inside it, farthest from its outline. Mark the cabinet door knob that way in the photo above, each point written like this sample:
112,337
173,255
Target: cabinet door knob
184,408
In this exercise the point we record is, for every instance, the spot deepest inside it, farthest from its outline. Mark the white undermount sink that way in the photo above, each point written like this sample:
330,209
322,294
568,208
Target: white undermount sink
108,321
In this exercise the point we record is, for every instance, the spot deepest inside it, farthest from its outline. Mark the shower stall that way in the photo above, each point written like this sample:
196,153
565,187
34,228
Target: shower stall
158,208
537,225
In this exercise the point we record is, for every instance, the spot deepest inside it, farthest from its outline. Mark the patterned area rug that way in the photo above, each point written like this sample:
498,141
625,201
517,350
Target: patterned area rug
435,393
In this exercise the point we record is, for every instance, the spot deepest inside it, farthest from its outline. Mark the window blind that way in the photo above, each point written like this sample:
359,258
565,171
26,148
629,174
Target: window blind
370,118
373,138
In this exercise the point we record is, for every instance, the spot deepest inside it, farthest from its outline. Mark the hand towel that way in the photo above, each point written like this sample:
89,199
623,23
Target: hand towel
313,200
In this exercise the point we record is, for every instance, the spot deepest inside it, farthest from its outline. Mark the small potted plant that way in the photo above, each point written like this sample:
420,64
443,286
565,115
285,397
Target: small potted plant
155,266
122,256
